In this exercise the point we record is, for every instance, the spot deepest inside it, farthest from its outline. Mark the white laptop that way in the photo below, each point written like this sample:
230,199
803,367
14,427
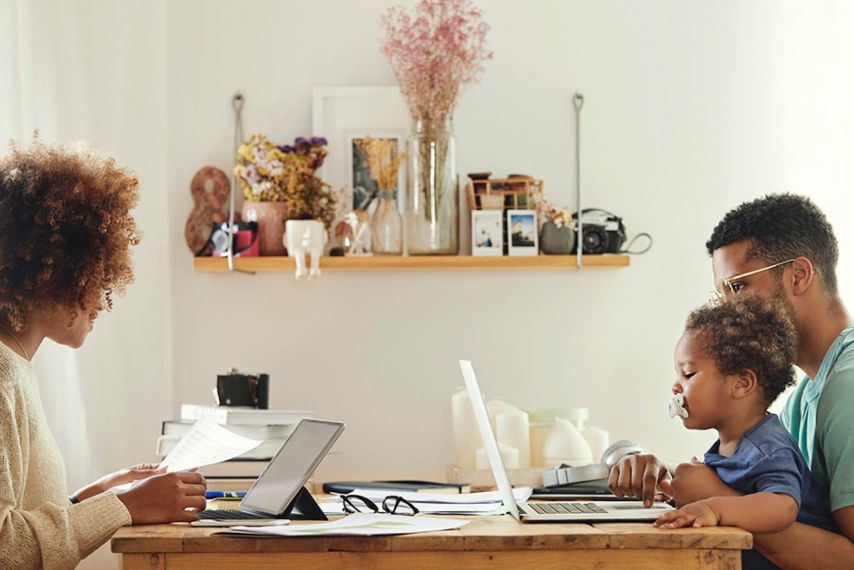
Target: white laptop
548,511
268,500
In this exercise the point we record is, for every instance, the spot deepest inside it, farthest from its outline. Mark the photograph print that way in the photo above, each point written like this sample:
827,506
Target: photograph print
362,181
522,232
486,238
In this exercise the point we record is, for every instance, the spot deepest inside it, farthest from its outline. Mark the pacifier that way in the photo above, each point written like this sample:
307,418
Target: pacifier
676,406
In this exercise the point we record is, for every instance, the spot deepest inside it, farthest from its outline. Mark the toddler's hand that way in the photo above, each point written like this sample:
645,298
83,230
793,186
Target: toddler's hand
696,515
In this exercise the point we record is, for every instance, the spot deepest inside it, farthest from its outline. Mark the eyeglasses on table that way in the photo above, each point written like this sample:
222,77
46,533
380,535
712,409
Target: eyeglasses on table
393,505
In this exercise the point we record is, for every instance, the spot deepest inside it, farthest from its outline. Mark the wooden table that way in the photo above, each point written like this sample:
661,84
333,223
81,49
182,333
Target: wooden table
486,542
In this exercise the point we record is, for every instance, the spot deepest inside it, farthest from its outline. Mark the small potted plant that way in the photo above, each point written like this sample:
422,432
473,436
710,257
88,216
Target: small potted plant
557,235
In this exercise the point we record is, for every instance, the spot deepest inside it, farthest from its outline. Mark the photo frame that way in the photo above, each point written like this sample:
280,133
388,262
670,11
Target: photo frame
360,180
486,233
522,238
342,114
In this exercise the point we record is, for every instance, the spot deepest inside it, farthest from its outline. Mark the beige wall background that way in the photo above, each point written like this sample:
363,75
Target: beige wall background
691,108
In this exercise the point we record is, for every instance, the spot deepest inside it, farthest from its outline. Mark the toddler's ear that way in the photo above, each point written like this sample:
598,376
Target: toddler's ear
745,384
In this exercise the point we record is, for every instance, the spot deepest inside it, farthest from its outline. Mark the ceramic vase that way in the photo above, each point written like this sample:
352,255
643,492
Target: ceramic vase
271,225
305,238
556,240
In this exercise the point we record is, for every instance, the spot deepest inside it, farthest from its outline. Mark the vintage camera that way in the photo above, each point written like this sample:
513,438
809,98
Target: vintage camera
236,389
602,231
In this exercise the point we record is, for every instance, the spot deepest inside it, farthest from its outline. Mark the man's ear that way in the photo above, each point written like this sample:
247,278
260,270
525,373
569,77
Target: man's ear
803,274
745,384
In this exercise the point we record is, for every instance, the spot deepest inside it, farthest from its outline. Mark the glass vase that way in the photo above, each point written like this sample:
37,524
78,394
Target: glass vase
432,216
387,237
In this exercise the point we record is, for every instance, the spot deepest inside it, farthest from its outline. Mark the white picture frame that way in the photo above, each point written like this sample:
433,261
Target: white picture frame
522,235
486,233
341,113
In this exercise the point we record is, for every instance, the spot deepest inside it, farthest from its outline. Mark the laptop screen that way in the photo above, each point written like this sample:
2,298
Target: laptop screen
292,466
490,444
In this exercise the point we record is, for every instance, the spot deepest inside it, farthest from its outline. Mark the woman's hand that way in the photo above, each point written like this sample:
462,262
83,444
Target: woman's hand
120,477
165,498
696,515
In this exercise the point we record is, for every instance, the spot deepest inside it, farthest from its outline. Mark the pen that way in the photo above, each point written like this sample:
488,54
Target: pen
224,494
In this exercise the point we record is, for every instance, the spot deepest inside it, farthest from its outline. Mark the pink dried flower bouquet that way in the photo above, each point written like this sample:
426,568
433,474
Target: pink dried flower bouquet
434,52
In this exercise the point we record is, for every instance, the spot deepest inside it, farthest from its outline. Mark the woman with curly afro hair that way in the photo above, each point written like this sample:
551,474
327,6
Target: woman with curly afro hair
65,233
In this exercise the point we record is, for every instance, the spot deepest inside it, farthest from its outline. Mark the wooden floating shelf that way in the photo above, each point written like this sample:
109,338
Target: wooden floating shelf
399,263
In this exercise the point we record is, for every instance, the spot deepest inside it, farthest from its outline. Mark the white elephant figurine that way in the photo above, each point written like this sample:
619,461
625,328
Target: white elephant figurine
305,237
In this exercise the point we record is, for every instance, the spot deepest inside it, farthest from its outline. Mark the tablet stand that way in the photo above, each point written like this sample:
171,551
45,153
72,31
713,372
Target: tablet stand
304,508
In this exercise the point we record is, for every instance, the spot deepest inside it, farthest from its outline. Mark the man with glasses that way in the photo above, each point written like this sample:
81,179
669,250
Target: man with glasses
782,246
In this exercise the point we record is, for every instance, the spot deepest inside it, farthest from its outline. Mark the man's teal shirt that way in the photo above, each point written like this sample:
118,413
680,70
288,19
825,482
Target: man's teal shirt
820,416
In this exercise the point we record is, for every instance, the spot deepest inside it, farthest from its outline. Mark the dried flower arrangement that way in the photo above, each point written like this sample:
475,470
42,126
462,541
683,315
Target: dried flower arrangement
434,52
260,168
383,160
287,174
548,212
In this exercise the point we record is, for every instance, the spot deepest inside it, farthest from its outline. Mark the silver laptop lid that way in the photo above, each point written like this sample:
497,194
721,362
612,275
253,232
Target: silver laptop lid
489,442
289,470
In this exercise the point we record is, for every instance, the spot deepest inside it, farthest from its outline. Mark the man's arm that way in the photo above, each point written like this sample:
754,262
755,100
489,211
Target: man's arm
804,547
798,547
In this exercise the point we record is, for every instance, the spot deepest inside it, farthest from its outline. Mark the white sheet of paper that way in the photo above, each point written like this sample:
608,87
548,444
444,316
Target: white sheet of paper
357,525
206,443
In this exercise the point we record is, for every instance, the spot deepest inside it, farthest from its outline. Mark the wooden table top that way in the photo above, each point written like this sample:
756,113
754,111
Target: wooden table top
481,534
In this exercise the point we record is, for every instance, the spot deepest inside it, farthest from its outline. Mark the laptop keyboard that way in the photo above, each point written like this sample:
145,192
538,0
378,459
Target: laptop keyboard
222,514
567,508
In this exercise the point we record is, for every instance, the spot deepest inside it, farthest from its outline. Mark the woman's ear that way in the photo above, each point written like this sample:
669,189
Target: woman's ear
745,384
803,273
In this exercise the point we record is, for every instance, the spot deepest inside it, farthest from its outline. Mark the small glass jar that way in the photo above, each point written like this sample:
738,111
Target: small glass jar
386,232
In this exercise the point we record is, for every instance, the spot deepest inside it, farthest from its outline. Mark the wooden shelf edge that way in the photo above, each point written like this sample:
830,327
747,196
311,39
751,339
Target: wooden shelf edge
399,263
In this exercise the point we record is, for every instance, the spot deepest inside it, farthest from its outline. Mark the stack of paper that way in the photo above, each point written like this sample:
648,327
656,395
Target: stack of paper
355,525
487,503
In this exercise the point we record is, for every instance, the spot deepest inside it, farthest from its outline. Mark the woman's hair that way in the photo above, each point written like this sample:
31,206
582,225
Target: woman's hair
749,332
65,230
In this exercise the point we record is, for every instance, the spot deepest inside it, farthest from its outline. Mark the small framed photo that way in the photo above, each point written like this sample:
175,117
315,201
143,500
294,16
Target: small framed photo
360,178
522,232
486,238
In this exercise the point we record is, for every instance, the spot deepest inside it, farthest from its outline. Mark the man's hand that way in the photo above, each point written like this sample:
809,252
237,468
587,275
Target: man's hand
120,477
639,476
696,515
165,498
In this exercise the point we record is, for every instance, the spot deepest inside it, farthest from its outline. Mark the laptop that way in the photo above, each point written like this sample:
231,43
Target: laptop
283,479
548,511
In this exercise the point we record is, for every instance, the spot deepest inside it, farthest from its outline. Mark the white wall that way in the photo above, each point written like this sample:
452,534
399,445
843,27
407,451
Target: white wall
691,108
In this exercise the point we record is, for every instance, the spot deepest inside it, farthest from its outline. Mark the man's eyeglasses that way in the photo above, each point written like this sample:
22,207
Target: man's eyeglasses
730,285
393,505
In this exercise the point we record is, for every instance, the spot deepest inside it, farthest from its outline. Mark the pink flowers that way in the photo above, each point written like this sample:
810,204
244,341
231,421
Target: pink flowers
434,52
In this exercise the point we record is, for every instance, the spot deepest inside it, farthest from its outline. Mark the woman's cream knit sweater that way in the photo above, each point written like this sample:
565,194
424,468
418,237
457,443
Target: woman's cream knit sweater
39,527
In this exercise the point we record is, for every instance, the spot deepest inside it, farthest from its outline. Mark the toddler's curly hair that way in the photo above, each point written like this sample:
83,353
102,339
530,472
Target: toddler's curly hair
65,230
749,332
